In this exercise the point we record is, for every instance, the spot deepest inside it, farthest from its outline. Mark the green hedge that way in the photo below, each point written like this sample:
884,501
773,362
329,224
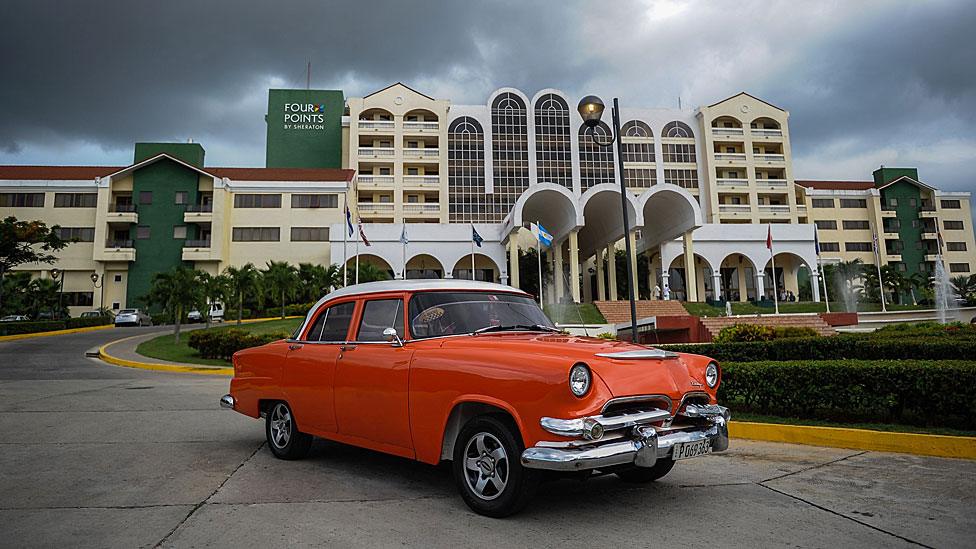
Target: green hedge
222,343
836,348
756,332
911,392
37,326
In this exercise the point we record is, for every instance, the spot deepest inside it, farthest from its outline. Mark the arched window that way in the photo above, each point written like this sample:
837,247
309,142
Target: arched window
677,129
681,148
638,142
554,163
467,201
510,152
636,128
596,162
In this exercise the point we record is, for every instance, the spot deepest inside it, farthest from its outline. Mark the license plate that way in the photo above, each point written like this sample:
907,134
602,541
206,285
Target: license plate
690,449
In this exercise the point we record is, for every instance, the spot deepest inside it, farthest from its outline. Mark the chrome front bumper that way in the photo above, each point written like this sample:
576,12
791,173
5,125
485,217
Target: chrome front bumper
227,401
632,440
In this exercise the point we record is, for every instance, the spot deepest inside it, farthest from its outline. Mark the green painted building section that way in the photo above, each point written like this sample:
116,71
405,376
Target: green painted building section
304,129
191,153
160,251
885,175
905,199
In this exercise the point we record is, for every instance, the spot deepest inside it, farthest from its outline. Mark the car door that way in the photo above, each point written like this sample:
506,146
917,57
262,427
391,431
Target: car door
371,377
310,365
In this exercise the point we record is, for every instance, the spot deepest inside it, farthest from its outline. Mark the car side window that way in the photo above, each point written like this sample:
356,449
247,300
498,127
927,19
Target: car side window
378,315
332,325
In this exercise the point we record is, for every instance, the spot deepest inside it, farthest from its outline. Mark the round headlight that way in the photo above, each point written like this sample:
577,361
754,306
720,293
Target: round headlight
711,375
579,379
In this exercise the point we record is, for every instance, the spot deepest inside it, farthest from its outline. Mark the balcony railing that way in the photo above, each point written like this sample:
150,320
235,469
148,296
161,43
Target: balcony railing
731,157
369,179
771,182
376,207
774,208
117,244
421,208
205,243
770,158
422,126
725,182
377,151
727,131
763,132
426,152
734,208
122,208
199,208
376,124
422,180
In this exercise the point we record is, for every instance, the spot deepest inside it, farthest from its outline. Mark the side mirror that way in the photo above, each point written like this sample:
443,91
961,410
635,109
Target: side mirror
390,334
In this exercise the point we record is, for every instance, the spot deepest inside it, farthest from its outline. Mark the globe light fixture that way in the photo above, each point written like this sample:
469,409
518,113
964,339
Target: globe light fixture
591,110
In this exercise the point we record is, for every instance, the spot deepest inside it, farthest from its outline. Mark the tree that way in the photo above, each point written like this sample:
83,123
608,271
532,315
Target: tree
317,280
177,291
371,273
965,287
280,280
214,289
16,292
244,281
26,242
529,271
43,295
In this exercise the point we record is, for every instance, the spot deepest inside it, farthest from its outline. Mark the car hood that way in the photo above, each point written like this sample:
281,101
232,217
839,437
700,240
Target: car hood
672,374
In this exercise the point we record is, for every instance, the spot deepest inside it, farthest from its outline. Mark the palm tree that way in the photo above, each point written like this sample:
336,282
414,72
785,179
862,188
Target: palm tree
243,281
371,273
177,291
916,282
214,289
894,282
43,295
965,287
317,280
846,275
280,279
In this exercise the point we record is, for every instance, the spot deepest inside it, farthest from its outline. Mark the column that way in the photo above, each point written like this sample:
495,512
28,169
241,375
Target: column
665,288
633,263
587,288
612,271
601,284
574,267
557,271
815,285
691,277
651,275
740,273
513,259
760,286
717,284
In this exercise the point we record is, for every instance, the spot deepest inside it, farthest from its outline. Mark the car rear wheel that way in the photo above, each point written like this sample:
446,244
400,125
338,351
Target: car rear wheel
488,470
640,475
284,438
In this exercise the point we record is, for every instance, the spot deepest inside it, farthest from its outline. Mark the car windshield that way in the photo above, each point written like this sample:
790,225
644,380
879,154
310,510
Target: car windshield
127,311
434,314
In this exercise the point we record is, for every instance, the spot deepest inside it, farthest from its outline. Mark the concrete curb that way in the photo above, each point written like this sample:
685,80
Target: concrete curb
857,439
15,337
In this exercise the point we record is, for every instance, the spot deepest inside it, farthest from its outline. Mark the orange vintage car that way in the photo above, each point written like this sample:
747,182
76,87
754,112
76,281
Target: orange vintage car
475,373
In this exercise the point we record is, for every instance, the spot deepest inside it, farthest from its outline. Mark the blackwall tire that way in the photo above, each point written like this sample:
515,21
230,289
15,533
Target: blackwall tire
643,475
284,438
488,469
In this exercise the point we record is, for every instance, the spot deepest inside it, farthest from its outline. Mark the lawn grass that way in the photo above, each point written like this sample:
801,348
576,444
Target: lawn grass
570,313
164,347
894,428
748,308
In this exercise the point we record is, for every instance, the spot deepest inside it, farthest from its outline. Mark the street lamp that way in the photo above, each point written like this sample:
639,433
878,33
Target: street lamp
101,299
591,110
58,277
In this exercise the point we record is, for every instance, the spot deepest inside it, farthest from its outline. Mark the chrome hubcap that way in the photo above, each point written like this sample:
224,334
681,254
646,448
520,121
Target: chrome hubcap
280,426
486,466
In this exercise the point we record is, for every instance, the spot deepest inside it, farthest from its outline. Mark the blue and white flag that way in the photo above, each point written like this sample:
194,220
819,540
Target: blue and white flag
349,221
541,233
403,235
476,237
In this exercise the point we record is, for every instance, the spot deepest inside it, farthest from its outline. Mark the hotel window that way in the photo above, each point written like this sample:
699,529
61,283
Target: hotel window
638,142
21,200
826,224
892,201
257,200
314,201
687,179
959,267
309,234
385,198
956,246
413,171
78,299
182,197
892,225
75,200
554,162
953,225
510,153
640,177
145,197
856,225
81,234
256,234
829,247
677,129
413,199
596,162
678,152
853,203
385,171
858,246
467,201
179,232
951,205
142,232
823,202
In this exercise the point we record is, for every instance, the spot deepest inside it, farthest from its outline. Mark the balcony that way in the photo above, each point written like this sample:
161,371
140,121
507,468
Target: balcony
421,209
801,208
734,208
421,127
422,181
122,213
724,132
422,153
725,182
197,250
382,208
730,157
927,210
376,125
770,158
772,183
198,213
377,152
119,250
774,208
931,255
369,180
888,211
762,132
893,255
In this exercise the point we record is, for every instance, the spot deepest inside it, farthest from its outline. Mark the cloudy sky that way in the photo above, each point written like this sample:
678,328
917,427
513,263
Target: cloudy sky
866,82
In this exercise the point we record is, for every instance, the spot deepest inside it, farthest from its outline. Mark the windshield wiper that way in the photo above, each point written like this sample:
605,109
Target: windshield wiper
531,327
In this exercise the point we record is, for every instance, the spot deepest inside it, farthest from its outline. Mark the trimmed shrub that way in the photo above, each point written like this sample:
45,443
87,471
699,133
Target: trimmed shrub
32,327
911,392
87,322
222,343
839,347
758,332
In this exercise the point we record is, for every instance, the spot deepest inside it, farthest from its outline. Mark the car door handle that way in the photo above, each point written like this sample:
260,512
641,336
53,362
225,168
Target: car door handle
347,348
295,346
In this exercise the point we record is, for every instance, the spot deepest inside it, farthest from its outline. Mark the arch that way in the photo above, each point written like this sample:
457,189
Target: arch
637,129
765,123
467,200
726,121
465,125
376,113
677,281
601,206
677,129
424,266
482,265
667,211
382,263
552,205
429,115
738,276
509,148
638,146
595,161
788,265
553,150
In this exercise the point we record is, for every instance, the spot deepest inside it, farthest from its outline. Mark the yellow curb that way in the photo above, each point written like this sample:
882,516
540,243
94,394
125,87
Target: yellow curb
203,370
858,439
54,332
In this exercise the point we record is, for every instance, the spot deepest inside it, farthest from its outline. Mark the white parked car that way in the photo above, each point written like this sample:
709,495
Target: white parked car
132,317
15,318
216,314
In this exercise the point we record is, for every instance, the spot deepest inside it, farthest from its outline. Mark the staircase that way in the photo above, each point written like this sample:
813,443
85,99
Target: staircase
618,312
715,324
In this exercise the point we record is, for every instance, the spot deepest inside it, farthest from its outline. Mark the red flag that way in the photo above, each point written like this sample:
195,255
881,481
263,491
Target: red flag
363,235
769,238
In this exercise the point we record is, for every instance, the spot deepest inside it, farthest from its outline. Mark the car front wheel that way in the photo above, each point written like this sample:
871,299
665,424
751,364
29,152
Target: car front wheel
284,438
487,468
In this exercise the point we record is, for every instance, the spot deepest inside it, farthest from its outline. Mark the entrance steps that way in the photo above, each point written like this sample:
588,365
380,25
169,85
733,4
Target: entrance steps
618,312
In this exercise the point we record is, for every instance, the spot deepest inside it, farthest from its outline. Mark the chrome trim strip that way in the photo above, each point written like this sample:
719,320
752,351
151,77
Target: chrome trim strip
578,427
637,398
227,401
640,354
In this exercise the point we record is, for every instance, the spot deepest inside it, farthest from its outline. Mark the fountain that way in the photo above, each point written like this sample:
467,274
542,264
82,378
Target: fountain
847,292
946,296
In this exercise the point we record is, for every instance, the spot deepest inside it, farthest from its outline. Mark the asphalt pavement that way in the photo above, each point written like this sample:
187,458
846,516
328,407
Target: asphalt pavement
94,455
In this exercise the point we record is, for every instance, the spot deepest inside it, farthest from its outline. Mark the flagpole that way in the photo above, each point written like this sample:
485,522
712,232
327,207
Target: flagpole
472,257
345,239
772,259
823,277
360,232
538,243
877,261
403,261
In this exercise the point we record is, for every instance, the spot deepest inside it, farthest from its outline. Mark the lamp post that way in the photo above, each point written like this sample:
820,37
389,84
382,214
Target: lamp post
101,298
591,110
58,277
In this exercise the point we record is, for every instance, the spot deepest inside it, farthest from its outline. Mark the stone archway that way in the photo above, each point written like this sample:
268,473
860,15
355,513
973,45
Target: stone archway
485,268
424,266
